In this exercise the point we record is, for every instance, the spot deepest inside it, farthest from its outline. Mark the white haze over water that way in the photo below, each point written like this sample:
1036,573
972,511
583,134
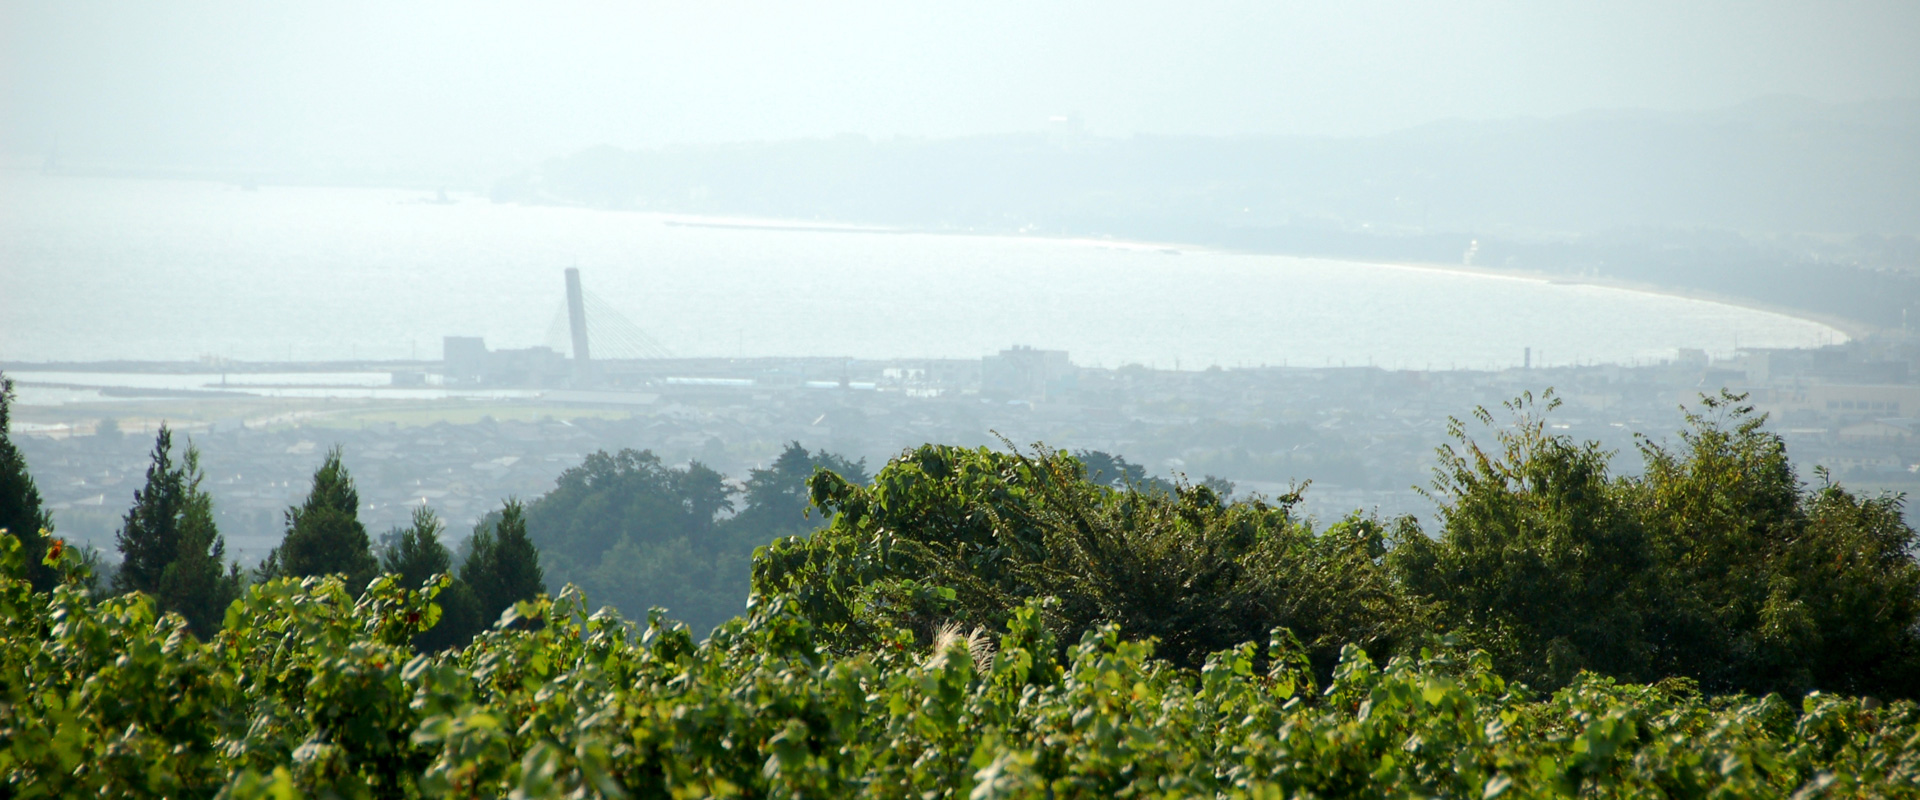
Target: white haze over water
467,87
97,269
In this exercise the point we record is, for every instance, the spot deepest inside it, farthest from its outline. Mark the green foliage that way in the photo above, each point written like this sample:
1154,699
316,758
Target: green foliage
199,583
996,624
636,533
1770,586
169,546
1716,565
594,506
1539,560
776,498
414,553
149,535
20,508
1849,589
502,566
324,534
1107,469
308,691
460,619
415,557
1718,511
947,533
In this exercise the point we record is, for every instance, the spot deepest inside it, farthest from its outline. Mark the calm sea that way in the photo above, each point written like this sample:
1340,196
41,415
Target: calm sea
132,269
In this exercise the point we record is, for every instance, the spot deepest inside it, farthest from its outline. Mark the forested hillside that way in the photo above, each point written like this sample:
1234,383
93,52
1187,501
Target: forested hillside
1780,165
635,533
1007,623
1792,203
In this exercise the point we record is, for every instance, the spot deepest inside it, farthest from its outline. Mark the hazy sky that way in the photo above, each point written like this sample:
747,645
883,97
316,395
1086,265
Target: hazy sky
344,81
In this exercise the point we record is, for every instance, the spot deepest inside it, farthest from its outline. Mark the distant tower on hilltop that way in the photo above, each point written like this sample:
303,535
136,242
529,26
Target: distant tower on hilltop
577,320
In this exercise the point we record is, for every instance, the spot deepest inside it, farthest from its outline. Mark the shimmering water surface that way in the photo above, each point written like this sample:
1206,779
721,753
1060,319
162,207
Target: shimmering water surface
94,268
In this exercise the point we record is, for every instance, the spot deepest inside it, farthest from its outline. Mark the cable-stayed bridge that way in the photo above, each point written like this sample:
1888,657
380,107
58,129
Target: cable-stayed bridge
613,336
589,344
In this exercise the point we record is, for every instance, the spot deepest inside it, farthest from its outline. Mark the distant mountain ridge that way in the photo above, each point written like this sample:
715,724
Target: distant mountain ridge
1773,165
1783,201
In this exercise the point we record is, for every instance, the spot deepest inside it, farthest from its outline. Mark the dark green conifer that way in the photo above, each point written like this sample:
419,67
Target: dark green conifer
20,511
324,534
415,552
149,536
199,584
169,546
502,565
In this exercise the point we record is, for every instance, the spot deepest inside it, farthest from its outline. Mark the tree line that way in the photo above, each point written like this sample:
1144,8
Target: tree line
1001,623
312,689
171,550
632,531
635,533
1715,563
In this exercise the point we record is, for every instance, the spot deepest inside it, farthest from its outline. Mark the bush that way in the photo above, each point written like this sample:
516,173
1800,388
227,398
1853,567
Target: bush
308,691
1715,565
951,534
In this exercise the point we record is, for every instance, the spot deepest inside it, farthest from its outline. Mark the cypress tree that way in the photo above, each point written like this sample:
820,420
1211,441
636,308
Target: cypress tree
20,511
503,567
169,546
198,584
324,534
149,536
416,553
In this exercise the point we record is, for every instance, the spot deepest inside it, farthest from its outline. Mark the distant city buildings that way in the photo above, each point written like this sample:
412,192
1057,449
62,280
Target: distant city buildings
1023,373
470,363
1364,436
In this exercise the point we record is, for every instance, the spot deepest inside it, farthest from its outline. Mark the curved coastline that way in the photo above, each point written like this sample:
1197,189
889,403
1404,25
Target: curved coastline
1851,329
1203,305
